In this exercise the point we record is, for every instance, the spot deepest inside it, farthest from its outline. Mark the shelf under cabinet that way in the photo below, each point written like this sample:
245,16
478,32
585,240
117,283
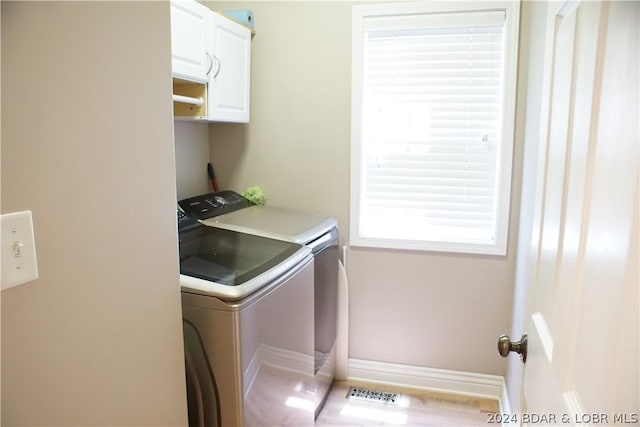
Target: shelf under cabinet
189,100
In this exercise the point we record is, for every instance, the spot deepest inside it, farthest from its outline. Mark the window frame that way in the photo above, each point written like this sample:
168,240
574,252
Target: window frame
505,159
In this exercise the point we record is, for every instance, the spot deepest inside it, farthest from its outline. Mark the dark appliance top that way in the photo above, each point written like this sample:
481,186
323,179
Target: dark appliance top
213,260
213,204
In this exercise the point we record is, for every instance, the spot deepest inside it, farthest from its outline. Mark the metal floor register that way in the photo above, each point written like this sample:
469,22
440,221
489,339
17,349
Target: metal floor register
373,395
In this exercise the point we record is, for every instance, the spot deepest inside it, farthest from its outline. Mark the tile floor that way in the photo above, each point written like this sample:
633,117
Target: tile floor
414,408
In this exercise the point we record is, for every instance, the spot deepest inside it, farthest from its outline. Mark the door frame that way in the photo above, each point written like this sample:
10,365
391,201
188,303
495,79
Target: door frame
531,66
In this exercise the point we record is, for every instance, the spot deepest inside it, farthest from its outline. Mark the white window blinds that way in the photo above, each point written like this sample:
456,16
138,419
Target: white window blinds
431,127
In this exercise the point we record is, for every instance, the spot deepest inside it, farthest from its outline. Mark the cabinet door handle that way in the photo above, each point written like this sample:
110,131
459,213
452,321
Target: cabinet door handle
218,66
210,61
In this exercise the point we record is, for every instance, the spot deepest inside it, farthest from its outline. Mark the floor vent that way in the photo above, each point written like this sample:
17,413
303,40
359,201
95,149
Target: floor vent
373,395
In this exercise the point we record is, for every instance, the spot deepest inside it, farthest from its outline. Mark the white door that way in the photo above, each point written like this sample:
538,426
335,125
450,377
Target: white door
190,59
230,79
582,364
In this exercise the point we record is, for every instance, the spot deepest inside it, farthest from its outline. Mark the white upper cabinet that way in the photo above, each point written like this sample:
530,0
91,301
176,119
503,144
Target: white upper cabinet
229,80
190,39
214,51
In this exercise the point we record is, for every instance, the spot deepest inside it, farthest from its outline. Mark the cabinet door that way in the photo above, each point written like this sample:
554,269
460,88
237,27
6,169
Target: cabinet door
190,40
229,80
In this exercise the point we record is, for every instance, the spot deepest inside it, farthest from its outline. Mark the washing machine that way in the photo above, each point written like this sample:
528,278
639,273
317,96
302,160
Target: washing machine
247,306
230,211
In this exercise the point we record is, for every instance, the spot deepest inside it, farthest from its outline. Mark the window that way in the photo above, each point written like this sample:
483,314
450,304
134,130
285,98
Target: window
433,101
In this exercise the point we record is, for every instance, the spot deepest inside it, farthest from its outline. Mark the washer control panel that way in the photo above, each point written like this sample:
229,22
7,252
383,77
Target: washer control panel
213,204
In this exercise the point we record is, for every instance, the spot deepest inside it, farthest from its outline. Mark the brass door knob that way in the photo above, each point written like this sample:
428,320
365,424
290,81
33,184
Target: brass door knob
505,346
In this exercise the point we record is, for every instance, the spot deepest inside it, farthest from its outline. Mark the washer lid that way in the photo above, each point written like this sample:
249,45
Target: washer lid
231,265
276,223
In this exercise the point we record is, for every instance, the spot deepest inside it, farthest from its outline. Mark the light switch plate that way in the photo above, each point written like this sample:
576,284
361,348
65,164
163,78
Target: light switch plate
19,264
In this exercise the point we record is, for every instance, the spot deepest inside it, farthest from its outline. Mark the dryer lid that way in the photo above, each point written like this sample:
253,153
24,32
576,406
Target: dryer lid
231,265
276,223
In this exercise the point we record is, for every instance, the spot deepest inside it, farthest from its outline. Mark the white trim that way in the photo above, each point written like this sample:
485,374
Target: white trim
431,379
567,7
504,407
357,60
342,340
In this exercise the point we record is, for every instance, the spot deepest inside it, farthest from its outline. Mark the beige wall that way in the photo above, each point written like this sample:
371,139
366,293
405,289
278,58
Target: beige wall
87,146
426,309
192,156
296,146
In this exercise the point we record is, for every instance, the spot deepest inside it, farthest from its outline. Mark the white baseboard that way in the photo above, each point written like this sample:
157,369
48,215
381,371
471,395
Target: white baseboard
504,406
440,380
